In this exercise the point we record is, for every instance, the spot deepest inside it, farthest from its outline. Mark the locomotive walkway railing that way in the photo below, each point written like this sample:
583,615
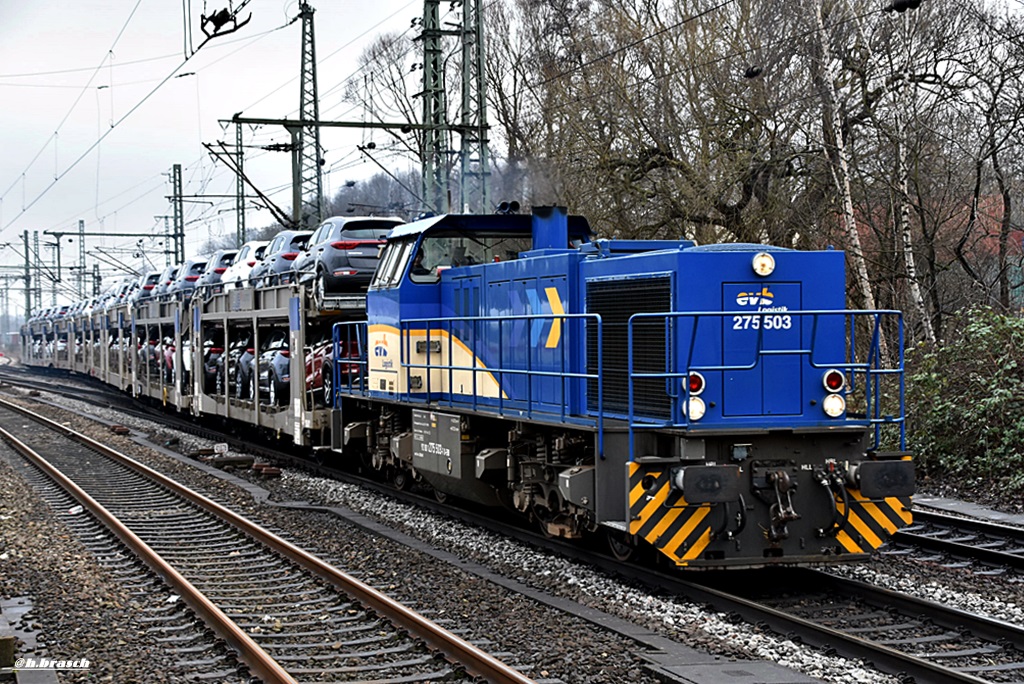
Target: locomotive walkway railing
527,379
523,376
683,355
352,378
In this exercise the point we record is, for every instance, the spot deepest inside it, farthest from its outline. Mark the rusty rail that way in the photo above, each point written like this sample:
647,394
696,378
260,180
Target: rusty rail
456,649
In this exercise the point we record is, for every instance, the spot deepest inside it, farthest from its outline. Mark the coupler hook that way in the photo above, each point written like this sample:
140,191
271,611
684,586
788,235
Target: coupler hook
782,510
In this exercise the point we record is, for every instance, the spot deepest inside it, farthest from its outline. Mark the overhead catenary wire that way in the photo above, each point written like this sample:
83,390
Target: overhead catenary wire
74,104
58,175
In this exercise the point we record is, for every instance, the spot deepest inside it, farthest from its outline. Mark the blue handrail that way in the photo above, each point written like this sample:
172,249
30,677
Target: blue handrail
871,368
435,330
440,333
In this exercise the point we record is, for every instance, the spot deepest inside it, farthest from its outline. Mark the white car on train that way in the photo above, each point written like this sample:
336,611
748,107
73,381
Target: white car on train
237,274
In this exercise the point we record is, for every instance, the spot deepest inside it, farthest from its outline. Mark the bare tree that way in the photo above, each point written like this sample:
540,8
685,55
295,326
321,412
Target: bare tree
897,136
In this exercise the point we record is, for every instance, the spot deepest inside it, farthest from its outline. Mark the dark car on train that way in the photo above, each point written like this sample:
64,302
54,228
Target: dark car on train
210,281
164,281
343,253
220,364
270,369
275,266
146,285
184,284
243,371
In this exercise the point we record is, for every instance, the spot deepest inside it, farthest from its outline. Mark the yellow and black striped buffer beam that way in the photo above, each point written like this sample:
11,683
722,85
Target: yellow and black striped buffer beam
870,522
660,516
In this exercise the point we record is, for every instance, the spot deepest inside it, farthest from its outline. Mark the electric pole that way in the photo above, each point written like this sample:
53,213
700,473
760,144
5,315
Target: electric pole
4,304
179,216
435,155
28,279
81,259
307,189
39,268
475,166
240,236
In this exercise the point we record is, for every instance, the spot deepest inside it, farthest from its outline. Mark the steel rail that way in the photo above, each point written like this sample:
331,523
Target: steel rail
894,661
965,550
259,661
458,650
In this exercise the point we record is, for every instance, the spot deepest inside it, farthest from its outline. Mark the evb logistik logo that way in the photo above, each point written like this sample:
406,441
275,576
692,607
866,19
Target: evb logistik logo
755,299
759,301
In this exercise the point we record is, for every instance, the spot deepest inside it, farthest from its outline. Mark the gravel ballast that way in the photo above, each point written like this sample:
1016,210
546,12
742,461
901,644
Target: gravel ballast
550,643
79,610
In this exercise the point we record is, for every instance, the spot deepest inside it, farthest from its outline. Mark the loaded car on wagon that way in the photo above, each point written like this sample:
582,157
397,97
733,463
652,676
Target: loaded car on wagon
342,254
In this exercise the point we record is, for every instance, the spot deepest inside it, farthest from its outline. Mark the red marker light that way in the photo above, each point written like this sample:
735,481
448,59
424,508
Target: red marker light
834,380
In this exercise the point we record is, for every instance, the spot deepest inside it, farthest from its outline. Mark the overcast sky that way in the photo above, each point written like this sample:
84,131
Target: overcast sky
69,69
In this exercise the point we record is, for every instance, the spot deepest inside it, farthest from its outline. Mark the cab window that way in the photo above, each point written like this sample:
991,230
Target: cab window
392,265
401,259
387,259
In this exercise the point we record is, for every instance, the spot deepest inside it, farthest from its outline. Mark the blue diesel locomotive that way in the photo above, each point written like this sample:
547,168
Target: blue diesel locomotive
718,403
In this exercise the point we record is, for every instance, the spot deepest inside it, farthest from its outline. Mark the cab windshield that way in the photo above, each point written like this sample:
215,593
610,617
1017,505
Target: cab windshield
444,249
452,249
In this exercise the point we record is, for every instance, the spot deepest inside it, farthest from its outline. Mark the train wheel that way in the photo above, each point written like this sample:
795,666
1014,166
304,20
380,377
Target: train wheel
620,545
400,479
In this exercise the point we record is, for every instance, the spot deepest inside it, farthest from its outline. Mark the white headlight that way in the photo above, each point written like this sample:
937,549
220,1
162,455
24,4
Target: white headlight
764,264
697,408
833,405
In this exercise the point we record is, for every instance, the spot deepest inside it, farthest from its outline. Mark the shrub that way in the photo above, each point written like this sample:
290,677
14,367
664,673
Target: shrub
965,401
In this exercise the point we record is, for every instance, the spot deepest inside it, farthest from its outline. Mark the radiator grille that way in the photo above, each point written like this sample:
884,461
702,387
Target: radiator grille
616,301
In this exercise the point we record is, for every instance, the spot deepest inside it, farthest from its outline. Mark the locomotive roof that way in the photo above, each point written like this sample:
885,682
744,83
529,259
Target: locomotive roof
578,225
740,247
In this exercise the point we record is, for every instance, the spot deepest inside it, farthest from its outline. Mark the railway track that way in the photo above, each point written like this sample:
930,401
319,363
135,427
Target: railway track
80,387
984,547
916,640
899,633
289,616
911,638
88,390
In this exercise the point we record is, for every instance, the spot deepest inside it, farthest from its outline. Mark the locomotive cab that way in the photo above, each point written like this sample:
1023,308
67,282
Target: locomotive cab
445,268
756,404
